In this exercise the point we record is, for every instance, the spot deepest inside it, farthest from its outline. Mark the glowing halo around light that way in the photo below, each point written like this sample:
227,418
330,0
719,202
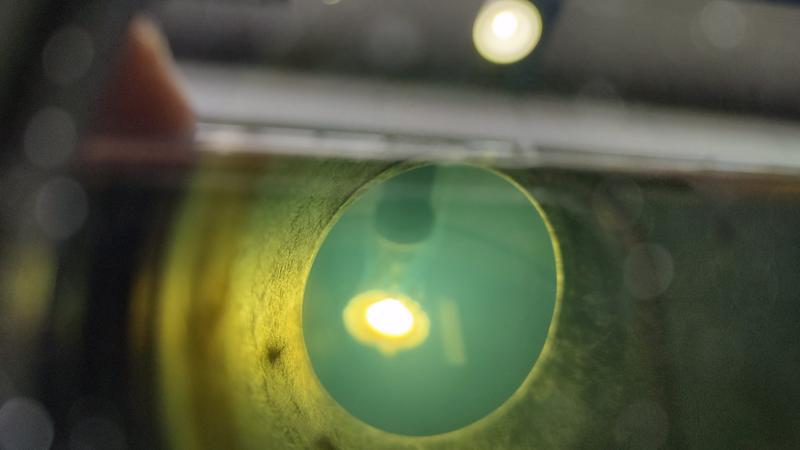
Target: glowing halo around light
388,322
506,31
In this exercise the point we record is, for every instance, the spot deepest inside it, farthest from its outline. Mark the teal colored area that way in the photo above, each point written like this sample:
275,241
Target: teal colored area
484,271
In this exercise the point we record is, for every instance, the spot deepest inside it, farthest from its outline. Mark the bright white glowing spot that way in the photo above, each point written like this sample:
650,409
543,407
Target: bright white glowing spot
390,317
505,24
506,31
390,323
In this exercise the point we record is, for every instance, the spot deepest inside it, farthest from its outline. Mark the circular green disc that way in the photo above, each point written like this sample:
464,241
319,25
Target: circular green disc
468,249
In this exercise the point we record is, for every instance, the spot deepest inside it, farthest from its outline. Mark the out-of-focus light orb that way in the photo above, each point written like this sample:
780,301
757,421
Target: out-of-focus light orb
506,31
389,323
505,24
390,317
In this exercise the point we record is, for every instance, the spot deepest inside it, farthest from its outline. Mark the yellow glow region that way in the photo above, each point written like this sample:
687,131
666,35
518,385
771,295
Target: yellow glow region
389,323
505,31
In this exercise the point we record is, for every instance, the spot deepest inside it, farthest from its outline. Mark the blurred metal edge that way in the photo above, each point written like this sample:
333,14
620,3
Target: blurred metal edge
268,111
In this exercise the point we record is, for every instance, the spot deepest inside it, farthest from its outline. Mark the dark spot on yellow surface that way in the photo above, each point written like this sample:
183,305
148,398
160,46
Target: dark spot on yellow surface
325,443
274,354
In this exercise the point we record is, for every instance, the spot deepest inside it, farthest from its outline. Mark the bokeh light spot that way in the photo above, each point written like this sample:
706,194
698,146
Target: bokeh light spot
505,24
506,31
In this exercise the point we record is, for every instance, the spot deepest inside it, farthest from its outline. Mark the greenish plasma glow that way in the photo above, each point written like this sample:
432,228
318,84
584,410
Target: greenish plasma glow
226,299
485,274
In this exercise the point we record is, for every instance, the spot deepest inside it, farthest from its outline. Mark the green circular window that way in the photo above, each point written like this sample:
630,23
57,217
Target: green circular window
430,299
